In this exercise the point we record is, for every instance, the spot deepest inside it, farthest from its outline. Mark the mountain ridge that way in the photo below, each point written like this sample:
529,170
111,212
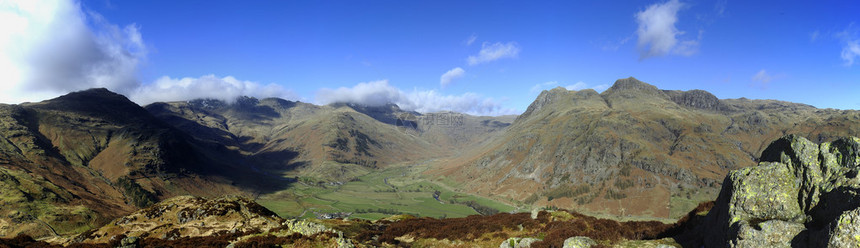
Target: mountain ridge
98,155
579,148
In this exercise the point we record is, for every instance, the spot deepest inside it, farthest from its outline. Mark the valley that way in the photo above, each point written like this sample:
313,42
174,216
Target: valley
634,156
398,189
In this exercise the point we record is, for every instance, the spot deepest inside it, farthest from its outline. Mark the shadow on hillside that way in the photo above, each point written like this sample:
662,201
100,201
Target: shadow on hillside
256,113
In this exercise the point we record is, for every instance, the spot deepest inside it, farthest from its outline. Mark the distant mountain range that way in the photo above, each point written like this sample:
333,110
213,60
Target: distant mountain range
72,163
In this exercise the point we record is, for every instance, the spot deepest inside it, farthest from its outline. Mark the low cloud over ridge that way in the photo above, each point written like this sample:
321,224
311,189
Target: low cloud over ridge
52,47
227,89
378,93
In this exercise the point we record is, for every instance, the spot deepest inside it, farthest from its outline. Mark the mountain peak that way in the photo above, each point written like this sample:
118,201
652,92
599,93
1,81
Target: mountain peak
96,102
546,97
631,83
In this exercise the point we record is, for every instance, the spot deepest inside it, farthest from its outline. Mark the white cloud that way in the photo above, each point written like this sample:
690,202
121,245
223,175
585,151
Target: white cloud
495,51
51,47
850,45
379,93
450,75
471,39
227,89
577,86
657,33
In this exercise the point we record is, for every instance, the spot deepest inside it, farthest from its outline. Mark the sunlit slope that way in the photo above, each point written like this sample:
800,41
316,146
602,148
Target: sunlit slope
73,162
335,142
633,149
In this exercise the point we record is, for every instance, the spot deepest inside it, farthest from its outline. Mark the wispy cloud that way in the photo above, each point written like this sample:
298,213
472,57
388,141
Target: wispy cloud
471,39
542,86
52,47
491,52
378,93
450,75
657,33
614,45
576,86
762,77
814,36
227,89
720,7
850,44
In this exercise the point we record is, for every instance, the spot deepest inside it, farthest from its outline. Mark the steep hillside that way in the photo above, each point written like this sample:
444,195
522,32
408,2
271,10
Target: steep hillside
633,149
337,142
73,162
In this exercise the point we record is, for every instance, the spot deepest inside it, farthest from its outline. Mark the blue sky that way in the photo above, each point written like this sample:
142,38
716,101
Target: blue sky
397,51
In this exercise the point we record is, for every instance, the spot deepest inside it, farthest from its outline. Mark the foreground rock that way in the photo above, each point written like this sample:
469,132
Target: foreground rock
801,194
579,242
188,216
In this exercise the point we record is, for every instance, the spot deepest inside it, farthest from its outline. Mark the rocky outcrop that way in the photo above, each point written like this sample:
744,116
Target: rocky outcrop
188,216
579,242
518,242
699,99
802,194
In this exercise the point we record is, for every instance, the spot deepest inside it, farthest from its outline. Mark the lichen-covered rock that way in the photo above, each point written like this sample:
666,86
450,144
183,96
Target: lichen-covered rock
765,192
772,233
129,242
305,227
845,231
579,242
518,242
801,195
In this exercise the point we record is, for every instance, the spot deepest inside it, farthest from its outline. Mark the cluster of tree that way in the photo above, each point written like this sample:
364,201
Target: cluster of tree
138,196
612,194
567,191
481,209
623,184
389,211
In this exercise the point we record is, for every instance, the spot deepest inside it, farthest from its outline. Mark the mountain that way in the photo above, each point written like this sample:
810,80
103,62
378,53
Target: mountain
335,142
633,149
74,162
801,194
71,163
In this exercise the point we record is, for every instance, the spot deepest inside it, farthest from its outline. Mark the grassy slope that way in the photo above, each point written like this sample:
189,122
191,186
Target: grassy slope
400,188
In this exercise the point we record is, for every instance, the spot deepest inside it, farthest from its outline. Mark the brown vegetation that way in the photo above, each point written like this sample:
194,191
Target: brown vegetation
552,227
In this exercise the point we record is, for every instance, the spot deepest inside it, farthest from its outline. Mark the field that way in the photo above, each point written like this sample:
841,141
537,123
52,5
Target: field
398,189
402,189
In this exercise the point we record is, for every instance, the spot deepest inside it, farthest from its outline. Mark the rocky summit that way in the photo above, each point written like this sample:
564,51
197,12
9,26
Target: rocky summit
801,194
